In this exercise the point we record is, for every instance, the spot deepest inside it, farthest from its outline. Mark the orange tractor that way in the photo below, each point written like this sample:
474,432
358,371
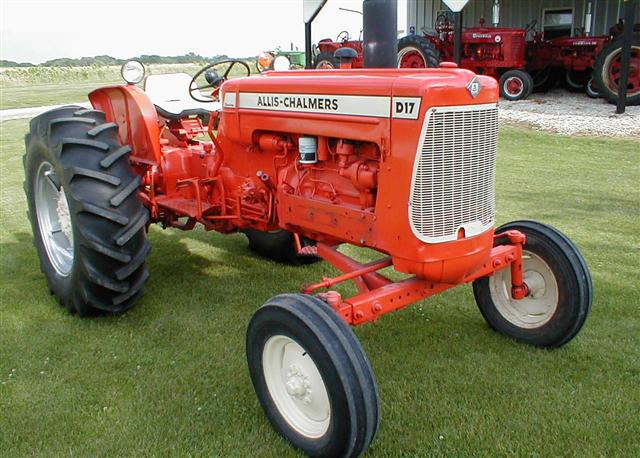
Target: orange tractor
401,161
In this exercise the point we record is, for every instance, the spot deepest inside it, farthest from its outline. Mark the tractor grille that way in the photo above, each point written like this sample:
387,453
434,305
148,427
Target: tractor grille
454,173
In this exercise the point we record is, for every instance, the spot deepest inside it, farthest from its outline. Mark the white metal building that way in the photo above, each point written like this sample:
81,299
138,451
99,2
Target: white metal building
550,14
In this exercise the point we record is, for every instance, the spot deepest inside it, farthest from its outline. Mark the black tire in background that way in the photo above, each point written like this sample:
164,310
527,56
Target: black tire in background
601,70
576,81
278,245
303,334
591,89
325,60
519,77
558,278
416,43
83,157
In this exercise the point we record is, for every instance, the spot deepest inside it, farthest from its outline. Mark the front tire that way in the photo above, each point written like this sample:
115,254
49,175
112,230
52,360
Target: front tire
312,377
560,290
516,85
88,222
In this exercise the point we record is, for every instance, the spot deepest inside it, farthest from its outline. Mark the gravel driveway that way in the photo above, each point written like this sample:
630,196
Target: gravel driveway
570,114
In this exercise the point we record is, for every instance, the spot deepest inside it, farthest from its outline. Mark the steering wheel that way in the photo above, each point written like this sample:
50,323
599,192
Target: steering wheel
443,24
343,36
213,79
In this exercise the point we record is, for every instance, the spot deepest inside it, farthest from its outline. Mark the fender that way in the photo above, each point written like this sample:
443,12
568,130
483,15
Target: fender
132,110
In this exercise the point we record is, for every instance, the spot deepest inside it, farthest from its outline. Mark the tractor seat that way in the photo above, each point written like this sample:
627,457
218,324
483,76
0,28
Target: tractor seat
170,94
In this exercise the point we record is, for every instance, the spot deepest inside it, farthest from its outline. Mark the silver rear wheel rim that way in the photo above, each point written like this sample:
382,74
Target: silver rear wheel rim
539,306
54,219
296,386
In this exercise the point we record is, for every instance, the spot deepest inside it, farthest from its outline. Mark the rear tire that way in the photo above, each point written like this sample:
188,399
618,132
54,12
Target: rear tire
87,218
561,290
606,71
516,85
279,245
312,377
325,60
415,51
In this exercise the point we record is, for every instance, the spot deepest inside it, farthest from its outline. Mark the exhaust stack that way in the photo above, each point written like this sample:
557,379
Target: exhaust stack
380,23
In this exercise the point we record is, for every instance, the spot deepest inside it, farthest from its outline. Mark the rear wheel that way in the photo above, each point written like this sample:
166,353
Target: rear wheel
280,246
312,377
515,85
87,219
415,51
325,60
608,67
560,290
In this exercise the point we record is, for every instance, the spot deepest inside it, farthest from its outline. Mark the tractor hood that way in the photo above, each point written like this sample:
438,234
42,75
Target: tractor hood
380,93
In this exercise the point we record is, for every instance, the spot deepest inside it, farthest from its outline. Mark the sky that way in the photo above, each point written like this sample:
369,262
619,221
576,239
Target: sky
36,31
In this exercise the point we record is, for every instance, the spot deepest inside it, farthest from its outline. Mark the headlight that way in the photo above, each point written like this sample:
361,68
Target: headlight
265,60
132,71
281,63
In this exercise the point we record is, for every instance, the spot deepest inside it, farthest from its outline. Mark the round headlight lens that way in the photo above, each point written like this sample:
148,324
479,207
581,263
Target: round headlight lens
265,60
281,63
132,71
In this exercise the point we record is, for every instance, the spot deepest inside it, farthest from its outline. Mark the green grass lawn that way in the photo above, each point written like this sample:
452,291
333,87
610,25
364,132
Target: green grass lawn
170,378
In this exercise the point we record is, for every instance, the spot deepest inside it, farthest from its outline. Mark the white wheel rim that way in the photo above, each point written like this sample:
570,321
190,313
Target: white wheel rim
517,93
296,386
54,219
539,306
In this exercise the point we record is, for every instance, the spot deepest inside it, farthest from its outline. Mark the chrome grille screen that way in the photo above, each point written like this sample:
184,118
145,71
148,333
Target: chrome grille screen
454,173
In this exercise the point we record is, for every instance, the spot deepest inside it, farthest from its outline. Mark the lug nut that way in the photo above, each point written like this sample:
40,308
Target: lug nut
359,315
376,308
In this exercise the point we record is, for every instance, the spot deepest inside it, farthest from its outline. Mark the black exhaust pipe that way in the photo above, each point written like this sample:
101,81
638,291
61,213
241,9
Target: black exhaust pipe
380,33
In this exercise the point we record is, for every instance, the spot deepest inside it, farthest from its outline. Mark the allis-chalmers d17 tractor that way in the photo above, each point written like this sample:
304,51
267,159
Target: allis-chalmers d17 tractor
401,161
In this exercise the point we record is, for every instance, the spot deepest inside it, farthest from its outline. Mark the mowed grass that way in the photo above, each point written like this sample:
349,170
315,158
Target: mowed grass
169,377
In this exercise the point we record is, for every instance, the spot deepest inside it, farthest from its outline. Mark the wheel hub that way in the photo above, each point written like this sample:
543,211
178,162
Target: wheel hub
539,306
298,385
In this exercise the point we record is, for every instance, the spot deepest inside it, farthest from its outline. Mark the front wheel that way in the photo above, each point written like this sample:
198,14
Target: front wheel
516,85
591,89
560,290
312,377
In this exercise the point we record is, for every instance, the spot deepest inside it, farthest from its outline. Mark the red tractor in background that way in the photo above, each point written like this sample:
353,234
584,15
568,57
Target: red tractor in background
589,63
424,54
495,51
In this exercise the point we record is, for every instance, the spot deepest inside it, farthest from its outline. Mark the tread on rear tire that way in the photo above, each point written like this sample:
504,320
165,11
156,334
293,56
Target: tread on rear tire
105,218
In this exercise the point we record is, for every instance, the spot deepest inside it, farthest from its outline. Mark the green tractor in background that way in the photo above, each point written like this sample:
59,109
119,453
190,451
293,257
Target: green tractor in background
279,59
